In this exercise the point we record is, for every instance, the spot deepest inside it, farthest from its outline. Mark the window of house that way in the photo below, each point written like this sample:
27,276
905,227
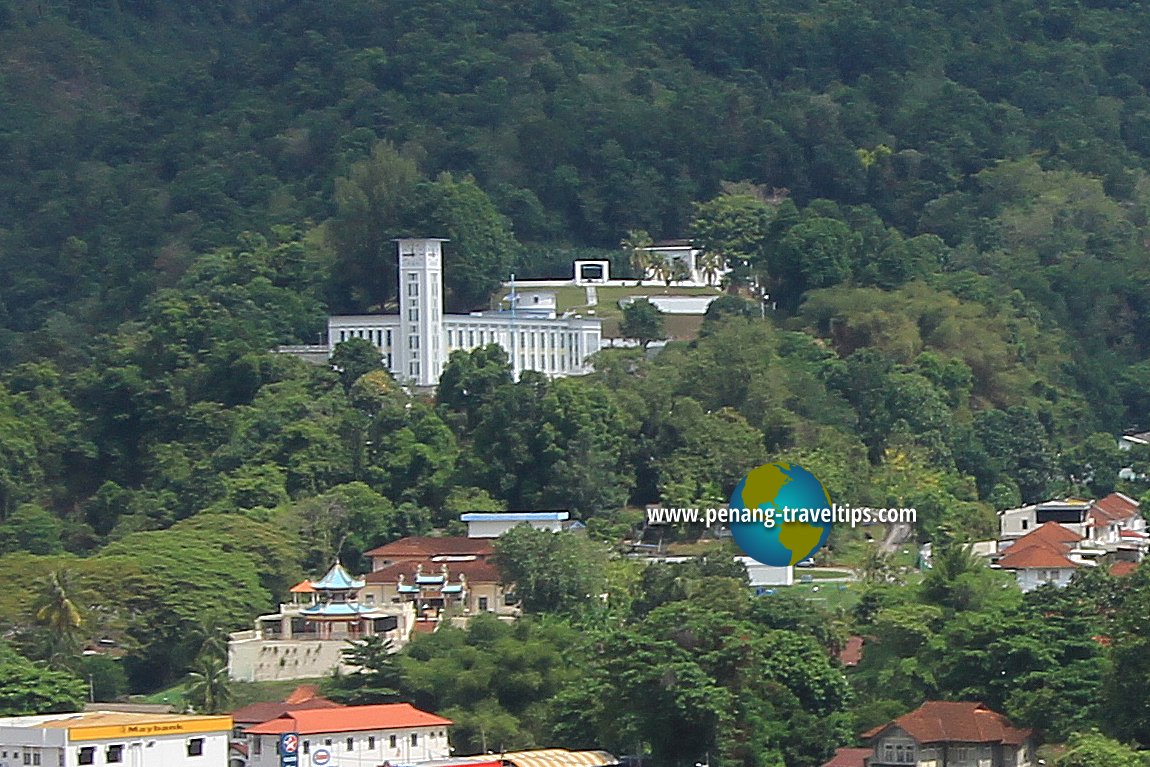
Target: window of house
196,747
258,746
87,755
27,757
391,741
1025,524
115,753
483,604
307,746
370,742
415,739
350,744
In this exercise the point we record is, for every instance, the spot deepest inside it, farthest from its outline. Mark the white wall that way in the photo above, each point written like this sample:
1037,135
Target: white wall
1031,578
494,529
759,574
153,751
432,745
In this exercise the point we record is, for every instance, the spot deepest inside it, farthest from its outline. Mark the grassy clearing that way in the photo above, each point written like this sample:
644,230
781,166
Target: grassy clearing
243,693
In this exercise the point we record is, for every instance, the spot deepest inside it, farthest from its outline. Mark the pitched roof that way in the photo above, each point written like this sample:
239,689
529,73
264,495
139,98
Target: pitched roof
387,716
850,757
1036,555
852,651
304,697
1118,569
1051,532
942,721
475,571
430,546
337,579
1115,507
303,587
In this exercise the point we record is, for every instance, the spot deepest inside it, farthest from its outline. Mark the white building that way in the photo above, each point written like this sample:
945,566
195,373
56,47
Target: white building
761,576
353,736
114,738
493,525
1072,513
416,343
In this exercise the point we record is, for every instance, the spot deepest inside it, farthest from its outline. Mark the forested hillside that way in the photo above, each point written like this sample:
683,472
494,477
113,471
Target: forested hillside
949,203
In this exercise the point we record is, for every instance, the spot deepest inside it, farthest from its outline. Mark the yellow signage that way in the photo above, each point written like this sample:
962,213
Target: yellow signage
153,728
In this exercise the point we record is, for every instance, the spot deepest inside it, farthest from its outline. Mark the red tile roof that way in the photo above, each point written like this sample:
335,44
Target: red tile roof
475,571
1045,546
940,721
1118,569
304,693
1114,507
303,587
388,716
430,546
1051,532
1035,555
262,712
850,757
852,651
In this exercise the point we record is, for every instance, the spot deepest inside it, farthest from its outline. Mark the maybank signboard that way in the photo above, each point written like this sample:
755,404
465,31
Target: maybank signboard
186,725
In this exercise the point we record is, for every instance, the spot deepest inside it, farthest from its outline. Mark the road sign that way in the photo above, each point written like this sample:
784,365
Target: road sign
289,750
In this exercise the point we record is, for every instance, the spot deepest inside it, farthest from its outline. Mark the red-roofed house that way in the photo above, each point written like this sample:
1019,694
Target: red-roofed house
952,734
302,698
395,733
851,653
1046,554
419,548
471,583
1116,522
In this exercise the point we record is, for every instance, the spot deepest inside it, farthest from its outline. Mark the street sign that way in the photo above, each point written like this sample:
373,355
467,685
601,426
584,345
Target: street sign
289,750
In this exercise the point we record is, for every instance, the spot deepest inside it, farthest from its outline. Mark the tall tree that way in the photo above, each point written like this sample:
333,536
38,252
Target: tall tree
56,609
642,321
209,687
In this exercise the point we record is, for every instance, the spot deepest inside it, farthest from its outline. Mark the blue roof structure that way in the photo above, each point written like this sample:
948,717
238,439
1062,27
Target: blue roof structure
516,516
337,579
337,610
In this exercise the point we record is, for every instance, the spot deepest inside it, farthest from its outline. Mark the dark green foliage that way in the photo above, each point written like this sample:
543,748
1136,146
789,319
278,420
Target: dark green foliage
642,321
28,688
376,679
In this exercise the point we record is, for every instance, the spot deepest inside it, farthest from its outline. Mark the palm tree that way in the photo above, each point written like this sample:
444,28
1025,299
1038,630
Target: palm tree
209,688
711,262
55,610
211,635
637,246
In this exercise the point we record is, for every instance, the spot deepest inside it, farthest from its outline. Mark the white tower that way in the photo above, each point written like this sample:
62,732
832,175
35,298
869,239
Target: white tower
421,345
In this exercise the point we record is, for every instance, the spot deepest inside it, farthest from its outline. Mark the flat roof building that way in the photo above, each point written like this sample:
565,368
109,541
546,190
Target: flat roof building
116,738
495,524
415,344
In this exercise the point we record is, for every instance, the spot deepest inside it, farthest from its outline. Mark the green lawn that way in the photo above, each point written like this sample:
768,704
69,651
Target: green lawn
828,594
244,693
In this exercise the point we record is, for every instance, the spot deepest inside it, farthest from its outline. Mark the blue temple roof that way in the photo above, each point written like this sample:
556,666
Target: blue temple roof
337,579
